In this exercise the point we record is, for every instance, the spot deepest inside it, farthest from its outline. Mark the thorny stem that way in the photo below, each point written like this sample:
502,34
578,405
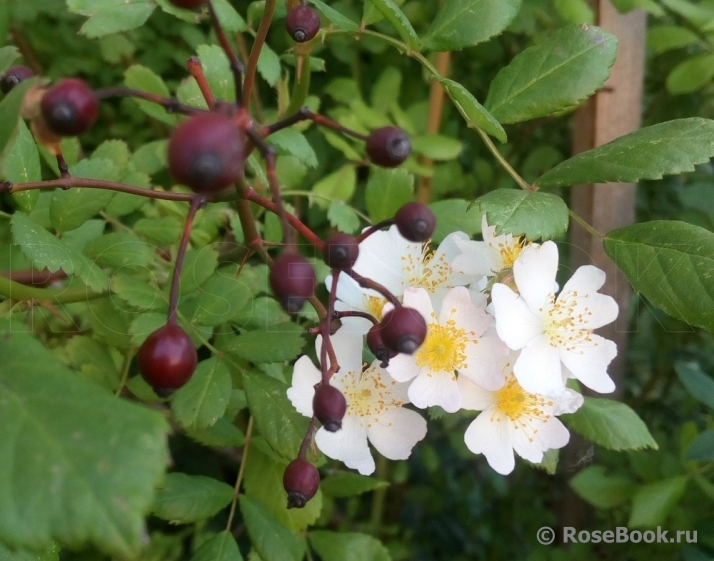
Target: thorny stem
196,203
171,105
241,471
365,282
67,182
305,114
326,347
236,65
61,163
194,67
255,51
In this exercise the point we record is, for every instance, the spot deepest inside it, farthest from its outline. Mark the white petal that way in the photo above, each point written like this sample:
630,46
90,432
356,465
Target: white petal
550,434
349,445
476,258
418,298
515,322
437,388
484,362
589,363
396,433
380,258
403,367
457,305
538,367
302,390
534,272
591,308
473,396
567,401
348,349
492,437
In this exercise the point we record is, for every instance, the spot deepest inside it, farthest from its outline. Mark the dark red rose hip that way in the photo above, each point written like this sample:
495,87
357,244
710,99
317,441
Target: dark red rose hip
403,330
69,107
301,481
329,407
388,146
293,280
302,23
340,251
206,152
167,359
415,222
13,76
375,343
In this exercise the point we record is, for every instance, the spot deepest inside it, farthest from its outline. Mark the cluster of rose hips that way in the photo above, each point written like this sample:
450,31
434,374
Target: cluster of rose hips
206,152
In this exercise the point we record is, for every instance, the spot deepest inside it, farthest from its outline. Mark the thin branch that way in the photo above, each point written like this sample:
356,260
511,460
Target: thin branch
241,471
255,51
171,105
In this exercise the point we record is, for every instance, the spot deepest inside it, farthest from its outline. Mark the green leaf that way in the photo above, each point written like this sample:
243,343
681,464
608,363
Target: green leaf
472,111
277,343
593,485
387,190
50,553
691,74
343,217
553,76
386,89
701,449
347,546
290,141
201,402
10,111
189,498
652,503
221,547
575,11
126,203
89,459
272,541
8,55
223,434
144,79
347,484
394,15
264,483
107,18
116,151
221,298
662,38
217,70
454,215
47,251
275,417
165,230
339,185
532,214
649,153
698,384
229,19
610,424
670,263
118,250
70,208
141,295
269,65
199,265
20,164
93,359
463,23
437,146
335,17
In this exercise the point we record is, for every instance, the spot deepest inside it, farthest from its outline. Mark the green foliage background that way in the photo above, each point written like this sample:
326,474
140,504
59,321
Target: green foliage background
443,503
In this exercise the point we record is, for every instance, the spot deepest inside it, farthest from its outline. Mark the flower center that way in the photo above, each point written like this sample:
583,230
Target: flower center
565,320
444,349
510,250
373,305
425,270
368,394
522,408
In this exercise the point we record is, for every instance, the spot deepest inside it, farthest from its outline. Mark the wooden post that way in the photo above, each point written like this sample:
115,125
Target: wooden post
613,112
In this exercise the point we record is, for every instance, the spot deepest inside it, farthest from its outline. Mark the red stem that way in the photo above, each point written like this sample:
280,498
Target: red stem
305,114
170,104
236,65
364,282
194,67
374,228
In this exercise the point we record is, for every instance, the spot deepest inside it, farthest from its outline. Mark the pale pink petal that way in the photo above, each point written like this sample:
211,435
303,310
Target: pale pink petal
473,396
491,436
436,388
457,305
403,367
483,362
534,272
349,445
588,363
515,322
538,367
302,390
396,433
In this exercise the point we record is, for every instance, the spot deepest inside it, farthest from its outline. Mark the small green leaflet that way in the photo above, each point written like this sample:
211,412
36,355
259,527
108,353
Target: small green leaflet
652,503
455,215
670,263
335,17
464,23
552,76
21,164
471,110
347,484
203,400
109,17
348,546
272,541
142,78
399,21
387,190
91,460
699,385
10,111
221,547
610,424
691,74
531,214
593,485
189,498
649,153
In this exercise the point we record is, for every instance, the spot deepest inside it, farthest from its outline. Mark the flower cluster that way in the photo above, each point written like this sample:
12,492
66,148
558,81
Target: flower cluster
501,339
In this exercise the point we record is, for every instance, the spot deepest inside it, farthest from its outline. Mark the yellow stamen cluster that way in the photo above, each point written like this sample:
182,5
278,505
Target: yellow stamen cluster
368,394
525,410
565,320
444,349
426,270
510,251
